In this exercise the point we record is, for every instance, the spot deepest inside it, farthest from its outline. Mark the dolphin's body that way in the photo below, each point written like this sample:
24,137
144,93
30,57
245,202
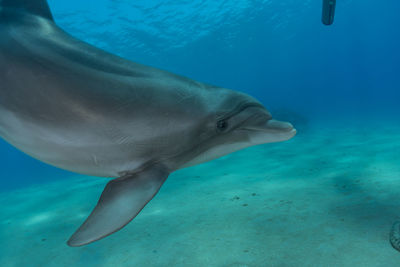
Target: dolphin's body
79,108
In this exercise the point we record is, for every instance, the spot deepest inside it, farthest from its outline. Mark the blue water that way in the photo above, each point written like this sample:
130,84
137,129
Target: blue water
277,51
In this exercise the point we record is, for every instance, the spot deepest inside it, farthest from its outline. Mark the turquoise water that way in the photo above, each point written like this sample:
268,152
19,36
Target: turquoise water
328,197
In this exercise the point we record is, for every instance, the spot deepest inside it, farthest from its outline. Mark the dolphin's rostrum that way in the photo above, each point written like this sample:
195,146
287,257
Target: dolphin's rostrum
79,108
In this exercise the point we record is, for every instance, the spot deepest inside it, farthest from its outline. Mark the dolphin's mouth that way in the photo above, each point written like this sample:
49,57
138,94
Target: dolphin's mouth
257,121
269,131
272,126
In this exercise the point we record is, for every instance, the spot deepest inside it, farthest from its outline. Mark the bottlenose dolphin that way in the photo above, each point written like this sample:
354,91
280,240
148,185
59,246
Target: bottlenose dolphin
74,106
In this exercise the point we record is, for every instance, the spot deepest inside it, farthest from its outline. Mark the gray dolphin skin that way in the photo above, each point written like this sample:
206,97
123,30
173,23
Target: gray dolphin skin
79,108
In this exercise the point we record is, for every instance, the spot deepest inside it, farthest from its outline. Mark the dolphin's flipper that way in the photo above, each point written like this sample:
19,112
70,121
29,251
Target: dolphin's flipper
122,199
36,7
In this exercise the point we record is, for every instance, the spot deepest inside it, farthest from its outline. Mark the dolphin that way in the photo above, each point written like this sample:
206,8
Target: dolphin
79,108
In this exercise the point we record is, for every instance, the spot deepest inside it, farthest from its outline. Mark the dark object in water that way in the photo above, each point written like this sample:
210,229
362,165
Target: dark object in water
395,236
328,11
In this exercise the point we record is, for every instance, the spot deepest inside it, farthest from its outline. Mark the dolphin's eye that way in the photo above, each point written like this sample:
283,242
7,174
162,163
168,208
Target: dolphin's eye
222,125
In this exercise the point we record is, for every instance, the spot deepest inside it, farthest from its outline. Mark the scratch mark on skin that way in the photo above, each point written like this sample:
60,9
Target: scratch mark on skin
95,160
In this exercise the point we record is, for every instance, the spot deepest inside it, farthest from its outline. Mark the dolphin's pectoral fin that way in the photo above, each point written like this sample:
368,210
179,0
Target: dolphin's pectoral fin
122,199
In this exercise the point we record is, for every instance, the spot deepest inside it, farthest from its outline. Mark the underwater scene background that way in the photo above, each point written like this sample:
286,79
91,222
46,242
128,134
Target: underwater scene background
328,197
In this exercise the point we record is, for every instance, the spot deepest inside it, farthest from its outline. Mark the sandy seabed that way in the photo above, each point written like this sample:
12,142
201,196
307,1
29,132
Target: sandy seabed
328,197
